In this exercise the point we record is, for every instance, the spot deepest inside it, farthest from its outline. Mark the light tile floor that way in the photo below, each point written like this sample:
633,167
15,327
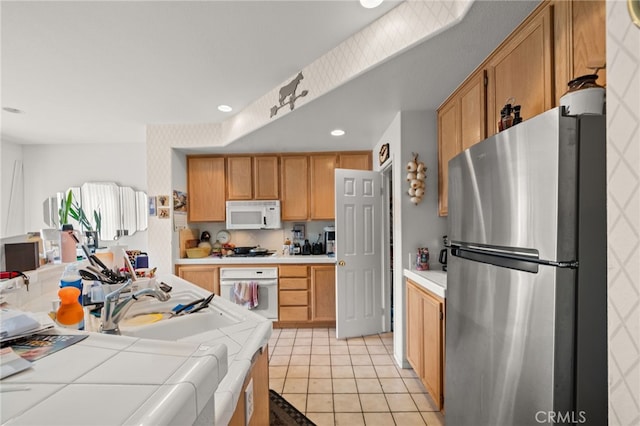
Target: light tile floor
347,382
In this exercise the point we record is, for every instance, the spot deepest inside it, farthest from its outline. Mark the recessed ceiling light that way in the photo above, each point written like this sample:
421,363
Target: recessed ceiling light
225,108
337,132
370,4
13,110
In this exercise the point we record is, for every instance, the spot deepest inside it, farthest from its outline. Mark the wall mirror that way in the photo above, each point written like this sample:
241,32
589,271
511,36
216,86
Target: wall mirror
123,210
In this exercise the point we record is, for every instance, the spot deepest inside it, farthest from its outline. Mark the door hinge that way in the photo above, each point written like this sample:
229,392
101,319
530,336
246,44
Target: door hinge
441,316
486,80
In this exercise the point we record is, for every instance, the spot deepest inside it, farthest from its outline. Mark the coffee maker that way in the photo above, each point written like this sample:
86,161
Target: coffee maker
330,239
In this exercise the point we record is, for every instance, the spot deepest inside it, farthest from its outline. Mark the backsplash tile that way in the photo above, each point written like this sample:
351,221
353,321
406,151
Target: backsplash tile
623,210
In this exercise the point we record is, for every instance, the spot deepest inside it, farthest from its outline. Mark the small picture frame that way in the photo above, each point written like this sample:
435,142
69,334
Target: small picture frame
163,200
179,201
163,213
152,206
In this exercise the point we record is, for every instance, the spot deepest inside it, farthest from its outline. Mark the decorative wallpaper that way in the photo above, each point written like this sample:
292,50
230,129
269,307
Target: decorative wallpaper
623,211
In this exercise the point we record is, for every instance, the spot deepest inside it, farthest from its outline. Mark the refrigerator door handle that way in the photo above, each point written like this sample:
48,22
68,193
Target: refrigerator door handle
523,260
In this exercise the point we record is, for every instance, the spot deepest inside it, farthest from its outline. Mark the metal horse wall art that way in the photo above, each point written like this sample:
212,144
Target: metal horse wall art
289,90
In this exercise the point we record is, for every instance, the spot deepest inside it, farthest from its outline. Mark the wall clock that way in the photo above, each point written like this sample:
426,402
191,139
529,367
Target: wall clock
383,155
223,236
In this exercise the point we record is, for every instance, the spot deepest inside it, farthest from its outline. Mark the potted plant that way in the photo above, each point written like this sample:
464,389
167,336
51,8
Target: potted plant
70,207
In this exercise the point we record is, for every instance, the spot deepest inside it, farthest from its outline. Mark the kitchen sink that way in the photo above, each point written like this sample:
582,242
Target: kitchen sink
153,319
181,327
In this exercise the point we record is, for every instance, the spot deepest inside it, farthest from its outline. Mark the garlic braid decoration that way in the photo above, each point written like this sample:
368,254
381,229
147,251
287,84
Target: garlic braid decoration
416,175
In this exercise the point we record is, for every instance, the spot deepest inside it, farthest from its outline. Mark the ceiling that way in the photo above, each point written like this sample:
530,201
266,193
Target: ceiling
99,72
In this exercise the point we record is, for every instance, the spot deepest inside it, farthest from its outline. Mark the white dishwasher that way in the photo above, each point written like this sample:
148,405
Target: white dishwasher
254,288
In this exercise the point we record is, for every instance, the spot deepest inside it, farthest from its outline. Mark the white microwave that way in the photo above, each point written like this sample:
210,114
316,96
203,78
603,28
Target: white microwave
253,214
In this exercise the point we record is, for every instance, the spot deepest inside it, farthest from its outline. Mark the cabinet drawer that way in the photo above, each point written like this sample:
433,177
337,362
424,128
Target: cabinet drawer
293,271
294,298
294,313
293,284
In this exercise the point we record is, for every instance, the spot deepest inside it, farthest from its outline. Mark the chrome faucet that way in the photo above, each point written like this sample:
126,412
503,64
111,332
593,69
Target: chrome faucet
115,309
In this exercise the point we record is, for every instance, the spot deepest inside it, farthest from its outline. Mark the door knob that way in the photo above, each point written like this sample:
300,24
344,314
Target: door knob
341,263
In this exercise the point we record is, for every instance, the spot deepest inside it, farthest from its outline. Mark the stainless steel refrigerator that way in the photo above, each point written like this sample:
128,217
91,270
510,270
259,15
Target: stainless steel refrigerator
526,299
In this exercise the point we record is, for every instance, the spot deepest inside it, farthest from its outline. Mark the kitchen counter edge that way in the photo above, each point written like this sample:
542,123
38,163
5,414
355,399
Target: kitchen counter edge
433,281
276,259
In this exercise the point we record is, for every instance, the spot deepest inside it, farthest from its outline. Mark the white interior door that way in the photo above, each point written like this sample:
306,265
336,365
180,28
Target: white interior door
359,279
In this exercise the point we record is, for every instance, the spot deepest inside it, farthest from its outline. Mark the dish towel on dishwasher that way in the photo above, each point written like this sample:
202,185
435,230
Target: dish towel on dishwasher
246,294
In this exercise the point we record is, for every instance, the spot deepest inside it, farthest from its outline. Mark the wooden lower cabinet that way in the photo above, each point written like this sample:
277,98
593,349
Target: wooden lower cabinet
259,379
205,276
306,296
425,339
323,293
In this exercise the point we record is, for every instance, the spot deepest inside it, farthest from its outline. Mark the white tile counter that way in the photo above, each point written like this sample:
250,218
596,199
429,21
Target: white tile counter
255,260
107,379
434,281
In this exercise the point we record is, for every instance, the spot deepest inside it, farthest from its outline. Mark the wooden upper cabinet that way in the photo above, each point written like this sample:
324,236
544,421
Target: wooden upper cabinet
461,124
579,41
206,189
448,147
520,72
356,161
322,167
266,179
294,181
239,178
473,109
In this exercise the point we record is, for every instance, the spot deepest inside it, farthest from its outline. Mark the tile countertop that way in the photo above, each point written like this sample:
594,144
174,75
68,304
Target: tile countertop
273,259
116,380
434,281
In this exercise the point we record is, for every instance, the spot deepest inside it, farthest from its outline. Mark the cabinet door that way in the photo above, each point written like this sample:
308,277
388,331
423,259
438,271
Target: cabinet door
473,110
206,189
448,147
414,328
204,276
520,72
432,347
355,161
323,186
295,187
266,179
589,38
239,178
323,293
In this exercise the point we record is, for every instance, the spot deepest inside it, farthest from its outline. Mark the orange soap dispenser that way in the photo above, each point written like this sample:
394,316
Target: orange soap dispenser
70,313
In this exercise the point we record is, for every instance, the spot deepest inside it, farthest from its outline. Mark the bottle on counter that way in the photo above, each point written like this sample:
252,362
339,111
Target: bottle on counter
68,241
71,278
70,313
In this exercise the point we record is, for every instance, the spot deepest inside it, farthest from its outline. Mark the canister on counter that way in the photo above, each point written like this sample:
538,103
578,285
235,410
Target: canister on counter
422,259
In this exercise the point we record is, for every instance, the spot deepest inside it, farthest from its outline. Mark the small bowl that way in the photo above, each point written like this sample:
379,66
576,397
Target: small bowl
198,252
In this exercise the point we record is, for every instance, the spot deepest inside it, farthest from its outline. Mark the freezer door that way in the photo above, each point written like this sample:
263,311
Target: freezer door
508,345
518,188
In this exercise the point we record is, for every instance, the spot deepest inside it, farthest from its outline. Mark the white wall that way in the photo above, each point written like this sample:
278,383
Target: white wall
53,168
413,225
11,202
